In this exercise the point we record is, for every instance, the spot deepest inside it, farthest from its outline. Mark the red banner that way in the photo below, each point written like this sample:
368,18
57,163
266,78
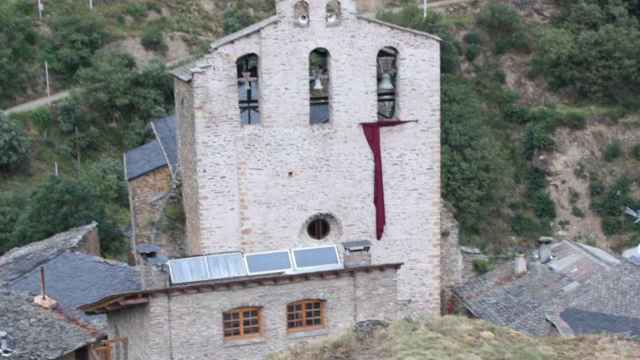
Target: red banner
372,134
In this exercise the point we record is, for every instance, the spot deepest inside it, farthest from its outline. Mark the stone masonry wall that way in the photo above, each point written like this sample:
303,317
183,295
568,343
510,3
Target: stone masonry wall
451,260
187,156
146,195
189,326
258,185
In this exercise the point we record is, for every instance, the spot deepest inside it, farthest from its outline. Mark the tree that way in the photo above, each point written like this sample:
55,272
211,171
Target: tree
60,204
18,52
75,38
15,146
11,206
474,165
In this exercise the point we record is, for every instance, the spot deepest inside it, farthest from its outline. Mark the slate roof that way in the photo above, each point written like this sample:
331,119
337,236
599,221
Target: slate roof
163,151
578,276
72,278
34,333
165,131
144,159
22,260
589,322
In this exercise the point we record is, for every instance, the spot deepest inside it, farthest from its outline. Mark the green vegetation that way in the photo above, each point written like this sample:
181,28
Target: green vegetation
459,338
153,39
14,145
505,27
482,266
592,50
20,42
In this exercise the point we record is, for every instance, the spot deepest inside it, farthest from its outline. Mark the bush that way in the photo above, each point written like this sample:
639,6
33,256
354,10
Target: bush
75,38
137,11
517,114
482,266
525,226
41,120
612,151
577,212
472,52
153,39
15,147
504,25
537,137
635,152
543,206
59,205
573,120
19,41
472,38
237,18
11,206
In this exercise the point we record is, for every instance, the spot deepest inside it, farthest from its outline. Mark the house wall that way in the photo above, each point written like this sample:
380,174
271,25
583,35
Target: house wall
146,195
189,326
259,185
187,155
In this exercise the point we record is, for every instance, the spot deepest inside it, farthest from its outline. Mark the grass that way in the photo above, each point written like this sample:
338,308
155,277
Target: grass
459,338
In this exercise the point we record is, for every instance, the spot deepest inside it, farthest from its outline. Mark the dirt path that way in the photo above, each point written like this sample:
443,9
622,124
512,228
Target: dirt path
34,104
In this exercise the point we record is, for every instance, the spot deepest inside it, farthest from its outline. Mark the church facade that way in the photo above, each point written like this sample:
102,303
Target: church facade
317,126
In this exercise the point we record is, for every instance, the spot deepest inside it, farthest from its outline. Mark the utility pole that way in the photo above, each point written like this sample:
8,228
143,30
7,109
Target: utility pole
40,8
91,4
46,77
424,14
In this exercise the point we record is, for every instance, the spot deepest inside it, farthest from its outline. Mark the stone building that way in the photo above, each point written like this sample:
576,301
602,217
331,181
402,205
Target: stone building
276,311
151,171
291,133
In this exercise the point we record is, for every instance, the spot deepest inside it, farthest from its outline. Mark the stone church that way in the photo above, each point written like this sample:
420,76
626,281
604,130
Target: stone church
315,135
272,145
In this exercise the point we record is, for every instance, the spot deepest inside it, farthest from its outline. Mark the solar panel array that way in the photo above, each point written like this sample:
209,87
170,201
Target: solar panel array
222,266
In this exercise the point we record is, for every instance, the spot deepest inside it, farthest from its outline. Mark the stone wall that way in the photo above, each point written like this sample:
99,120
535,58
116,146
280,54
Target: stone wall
189,325
451,263
147,195
258,185
187,154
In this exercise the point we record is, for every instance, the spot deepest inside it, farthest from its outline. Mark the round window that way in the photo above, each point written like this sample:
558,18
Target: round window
318,228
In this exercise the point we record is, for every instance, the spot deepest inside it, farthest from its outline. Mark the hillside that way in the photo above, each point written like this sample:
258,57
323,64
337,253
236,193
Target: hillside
540,132
457,338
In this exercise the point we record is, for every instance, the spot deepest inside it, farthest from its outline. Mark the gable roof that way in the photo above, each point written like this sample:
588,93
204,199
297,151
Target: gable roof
72,278
22,260
578,276
166,134
584,322
144,159
34,333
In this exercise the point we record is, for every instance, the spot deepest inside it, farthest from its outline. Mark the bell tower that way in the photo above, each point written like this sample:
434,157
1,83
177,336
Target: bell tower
288,138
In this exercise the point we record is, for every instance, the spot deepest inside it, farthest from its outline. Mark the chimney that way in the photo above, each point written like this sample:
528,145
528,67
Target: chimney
356,253
43,300
152,266
520,265
544,249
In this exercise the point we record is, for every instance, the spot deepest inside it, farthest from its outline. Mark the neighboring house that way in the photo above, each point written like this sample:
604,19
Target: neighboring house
151,171
29,331
74,273
248,317
567,288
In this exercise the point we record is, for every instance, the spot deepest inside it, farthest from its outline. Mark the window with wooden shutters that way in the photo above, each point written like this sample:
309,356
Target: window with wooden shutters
241,323
305,315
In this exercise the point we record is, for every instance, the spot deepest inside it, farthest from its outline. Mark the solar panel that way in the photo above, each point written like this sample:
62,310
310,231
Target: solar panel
316,258
188,270
226,266
268,262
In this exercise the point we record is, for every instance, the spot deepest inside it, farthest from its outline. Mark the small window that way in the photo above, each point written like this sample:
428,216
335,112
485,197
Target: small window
319,83
241,323
334,12
301,12
305,315
387,74
248,89
318,228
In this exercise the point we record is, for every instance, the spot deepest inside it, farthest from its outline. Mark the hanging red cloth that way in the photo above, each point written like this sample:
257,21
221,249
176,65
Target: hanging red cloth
372,134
